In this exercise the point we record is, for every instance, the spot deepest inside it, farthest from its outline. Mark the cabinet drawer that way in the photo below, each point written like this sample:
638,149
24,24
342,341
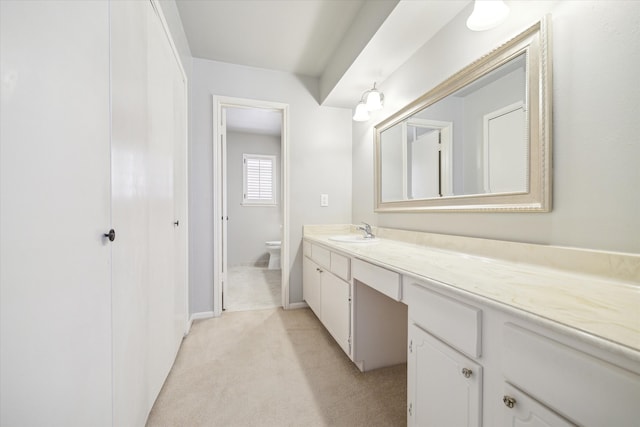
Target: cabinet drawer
452,321
378,278
321,255
525,409
340,266
587,390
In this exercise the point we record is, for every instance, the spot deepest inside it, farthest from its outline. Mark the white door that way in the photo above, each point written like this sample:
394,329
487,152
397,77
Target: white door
180,199
506,150
55,275
149,208
162,340
148,197
424,161
130,163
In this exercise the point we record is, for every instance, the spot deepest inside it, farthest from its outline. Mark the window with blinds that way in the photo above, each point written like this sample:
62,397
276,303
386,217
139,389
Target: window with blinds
259,179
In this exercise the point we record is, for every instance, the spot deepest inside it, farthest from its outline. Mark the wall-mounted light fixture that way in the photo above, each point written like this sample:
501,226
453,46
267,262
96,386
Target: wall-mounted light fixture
487,14
371,100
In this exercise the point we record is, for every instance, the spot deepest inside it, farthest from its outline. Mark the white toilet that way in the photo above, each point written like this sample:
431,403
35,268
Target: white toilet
273,247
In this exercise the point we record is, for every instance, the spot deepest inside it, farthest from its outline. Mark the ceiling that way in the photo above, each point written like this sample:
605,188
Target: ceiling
345,44
287,35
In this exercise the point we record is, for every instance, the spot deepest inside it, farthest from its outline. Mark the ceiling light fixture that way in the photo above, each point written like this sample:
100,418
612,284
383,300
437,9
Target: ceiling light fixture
371,100
487,14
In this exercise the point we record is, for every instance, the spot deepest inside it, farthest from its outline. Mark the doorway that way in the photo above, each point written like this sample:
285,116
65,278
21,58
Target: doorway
250,204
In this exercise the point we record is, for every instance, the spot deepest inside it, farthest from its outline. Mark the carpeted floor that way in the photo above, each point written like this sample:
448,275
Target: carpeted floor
274,368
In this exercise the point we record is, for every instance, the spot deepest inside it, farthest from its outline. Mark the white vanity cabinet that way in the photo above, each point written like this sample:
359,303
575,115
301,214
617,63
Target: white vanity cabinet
471,363
327,291
489,341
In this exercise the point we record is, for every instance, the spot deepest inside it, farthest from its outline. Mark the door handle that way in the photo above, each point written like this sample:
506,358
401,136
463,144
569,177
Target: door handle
177,223
111,235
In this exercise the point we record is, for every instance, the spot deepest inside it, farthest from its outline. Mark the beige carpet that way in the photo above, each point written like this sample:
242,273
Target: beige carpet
274,368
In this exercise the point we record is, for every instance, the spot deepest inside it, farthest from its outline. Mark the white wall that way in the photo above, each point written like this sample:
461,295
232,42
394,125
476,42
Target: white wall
319,156
596,100
249,227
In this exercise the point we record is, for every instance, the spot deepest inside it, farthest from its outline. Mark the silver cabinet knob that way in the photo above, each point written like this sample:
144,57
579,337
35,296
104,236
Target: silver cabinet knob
509,401
466,372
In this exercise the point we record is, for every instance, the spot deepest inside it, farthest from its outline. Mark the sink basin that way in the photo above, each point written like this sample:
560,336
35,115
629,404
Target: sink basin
352,238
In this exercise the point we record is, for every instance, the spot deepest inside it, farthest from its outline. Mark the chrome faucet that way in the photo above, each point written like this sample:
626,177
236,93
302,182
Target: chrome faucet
367,231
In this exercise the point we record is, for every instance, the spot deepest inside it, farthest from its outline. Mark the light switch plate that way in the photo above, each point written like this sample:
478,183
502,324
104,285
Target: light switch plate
324,200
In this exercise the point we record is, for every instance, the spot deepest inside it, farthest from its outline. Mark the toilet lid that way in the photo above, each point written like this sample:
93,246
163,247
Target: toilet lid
273,243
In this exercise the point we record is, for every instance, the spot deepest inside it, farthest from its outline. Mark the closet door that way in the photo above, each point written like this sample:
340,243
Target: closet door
55,264
130,193
149,197
180,203
164,295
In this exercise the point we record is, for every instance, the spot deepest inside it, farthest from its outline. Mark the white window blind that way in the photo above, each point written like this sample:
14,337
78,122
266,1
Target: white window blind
259,179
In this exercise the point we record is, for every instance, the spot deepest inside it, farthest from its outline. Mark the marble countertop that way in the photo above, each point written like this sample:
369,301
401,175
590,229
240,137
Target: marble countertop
596,304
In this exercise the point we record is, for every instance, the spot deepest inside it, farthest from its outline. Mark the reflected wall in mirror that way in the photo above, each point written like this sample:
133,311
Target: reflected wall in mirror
479,141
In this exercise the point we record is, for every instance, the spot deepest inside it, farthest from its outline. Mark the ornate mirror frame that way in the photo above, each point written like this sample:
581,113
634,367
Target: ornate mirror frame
535,44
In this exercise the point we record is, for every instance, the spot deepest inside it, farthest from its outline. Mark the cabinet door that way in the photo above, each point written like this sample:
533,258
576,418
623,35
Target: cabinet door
334,305
311,285
520,410
444,387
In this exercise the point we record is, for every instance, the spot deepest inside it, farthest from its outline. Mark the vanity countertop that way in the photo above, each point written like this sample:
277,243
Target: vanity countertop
601,305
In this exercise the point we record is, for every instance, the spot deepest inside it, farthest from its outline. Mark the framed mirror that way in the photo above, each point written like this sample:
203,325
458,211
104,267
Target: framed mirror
479,141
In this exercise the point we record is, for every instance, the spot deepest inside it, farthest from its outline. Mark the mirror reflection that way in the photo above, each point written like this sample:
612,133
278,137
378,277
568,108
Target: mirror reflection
473,141
481,140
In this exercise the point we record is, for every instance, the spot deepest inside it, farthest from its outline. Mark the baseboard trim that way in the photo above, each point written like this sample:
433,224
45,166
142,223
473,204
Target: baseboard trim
201,315
297,305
